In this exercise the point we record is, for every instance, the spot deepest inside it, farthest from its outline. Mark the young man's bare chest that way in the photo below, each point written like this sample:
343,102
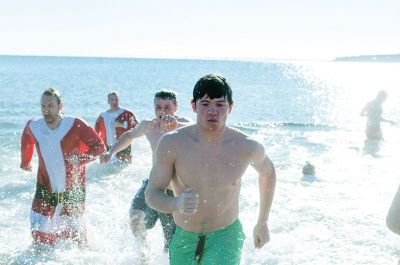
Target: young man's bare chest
202,166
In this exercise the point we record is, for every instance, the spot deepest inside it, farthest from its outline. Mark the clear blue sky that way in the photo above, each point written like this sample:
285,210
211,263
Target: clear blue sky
298,29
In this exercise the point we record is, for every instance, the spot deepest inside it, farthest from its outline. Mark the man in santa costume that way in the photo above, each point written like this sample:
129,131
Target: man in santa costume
64,145
114,122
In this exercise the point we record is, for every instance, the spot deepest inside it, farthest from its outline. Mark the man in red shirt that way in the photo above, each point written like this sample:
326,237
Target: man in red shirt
111,124
64,144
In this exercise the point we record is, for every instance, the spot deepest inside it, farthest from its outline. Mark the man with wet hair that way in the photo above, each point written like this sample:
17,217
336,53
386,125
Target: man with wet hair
205,163
143,217
64,145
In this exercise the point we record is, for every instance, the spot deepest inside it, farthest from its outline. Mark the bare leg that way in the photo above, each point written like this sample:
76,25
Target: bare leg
138,228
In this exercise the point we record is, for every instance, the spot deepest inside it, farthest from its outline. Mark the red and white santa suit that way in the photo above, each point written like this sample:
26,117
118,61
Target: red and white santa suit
59,201
109,133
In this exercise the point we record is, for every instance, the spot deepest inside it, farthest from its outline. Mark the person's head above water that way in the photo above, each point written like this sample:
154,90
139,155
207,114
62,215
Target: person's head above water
381,96
54,92
166,94
51,106
165,103
308,169
113,100
212,86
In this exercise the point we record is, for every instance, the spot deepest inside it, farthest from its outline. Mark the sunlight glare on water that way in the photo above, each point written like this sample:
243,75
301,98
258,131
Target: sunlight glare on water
300,111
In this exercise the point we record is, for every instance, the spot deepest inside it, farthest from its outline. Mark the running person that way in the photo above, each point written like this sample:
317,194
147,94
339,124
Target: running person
141,216
64,145
111,124
205,163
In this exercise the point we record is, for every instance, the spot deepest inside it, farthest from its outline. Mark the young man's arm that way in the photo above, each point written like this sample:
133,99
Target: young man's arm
125,140
267,180
393,216
388,121
160,177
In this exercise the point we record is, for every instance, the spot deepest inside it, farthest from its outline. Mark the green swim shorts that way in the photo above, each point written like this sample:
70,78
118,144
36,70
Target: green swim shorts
223,246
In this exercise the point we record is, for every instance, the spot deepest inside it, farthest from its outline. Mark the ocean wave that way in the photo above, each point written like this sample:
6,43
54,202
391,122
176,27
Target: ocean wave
274,124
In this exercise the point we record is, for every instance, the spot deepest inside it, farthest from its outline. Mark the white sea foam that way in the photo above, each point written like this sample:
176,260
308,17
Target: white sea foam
300,112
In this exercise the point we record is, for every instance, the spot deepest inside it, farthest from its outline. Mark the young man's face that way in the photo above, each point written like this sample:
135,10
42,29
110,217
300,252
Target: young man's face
164,107
113,101
50,109
212,113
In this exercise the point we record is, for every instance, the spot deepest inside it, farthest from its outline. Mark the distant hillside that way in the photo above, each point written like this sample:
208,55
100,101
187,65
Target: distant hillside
387,58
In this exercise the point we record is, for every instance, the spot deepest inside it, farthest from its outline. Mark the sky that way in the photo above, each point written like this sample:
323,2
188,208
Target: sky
237,29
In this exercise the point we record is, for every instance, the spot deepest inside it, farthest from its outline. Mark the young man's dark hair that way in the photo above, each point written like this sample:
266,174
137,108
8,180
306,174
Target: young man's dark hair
166,94
53,92
214,86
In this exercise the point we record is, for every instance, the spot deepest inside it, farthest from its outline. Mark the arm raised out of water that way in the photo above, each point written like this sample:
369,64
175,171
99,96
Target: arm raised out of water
126,139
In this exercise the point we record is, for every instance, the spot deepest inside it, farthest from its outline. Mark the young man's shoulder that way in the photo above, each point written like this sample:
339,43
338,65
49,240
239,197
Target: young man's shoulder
183,131
243,139
147,122
170,143
179,134
237,134
146,125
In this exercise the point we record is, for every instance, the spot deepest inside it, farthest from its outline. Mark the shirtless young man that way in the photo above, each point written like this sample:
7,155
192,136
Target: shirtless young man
205,163
373,112
64,145
141,216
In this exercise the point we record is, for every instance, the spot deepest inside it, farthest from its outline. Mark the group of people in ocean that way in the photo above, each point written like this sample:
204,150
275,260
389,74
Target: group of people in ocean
194,183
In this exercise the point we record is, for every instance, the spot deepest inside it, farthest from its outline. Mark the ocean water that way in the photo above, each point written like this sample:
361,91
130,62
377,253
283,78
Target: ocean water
300,111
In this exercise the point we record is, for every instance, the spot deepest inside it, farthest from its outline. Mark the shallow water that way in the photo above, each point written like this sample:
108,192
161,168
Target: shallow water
302,111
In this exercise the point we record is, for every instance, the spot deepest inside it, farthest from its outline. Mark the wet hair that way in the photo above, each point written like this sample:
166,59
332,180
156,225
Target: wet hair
214,86
53,92
112,93
166,94
308,169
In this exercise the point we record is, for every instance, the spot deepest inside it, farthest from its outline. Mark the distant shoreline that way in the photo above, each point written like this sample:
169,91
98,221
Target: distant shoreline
387,58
